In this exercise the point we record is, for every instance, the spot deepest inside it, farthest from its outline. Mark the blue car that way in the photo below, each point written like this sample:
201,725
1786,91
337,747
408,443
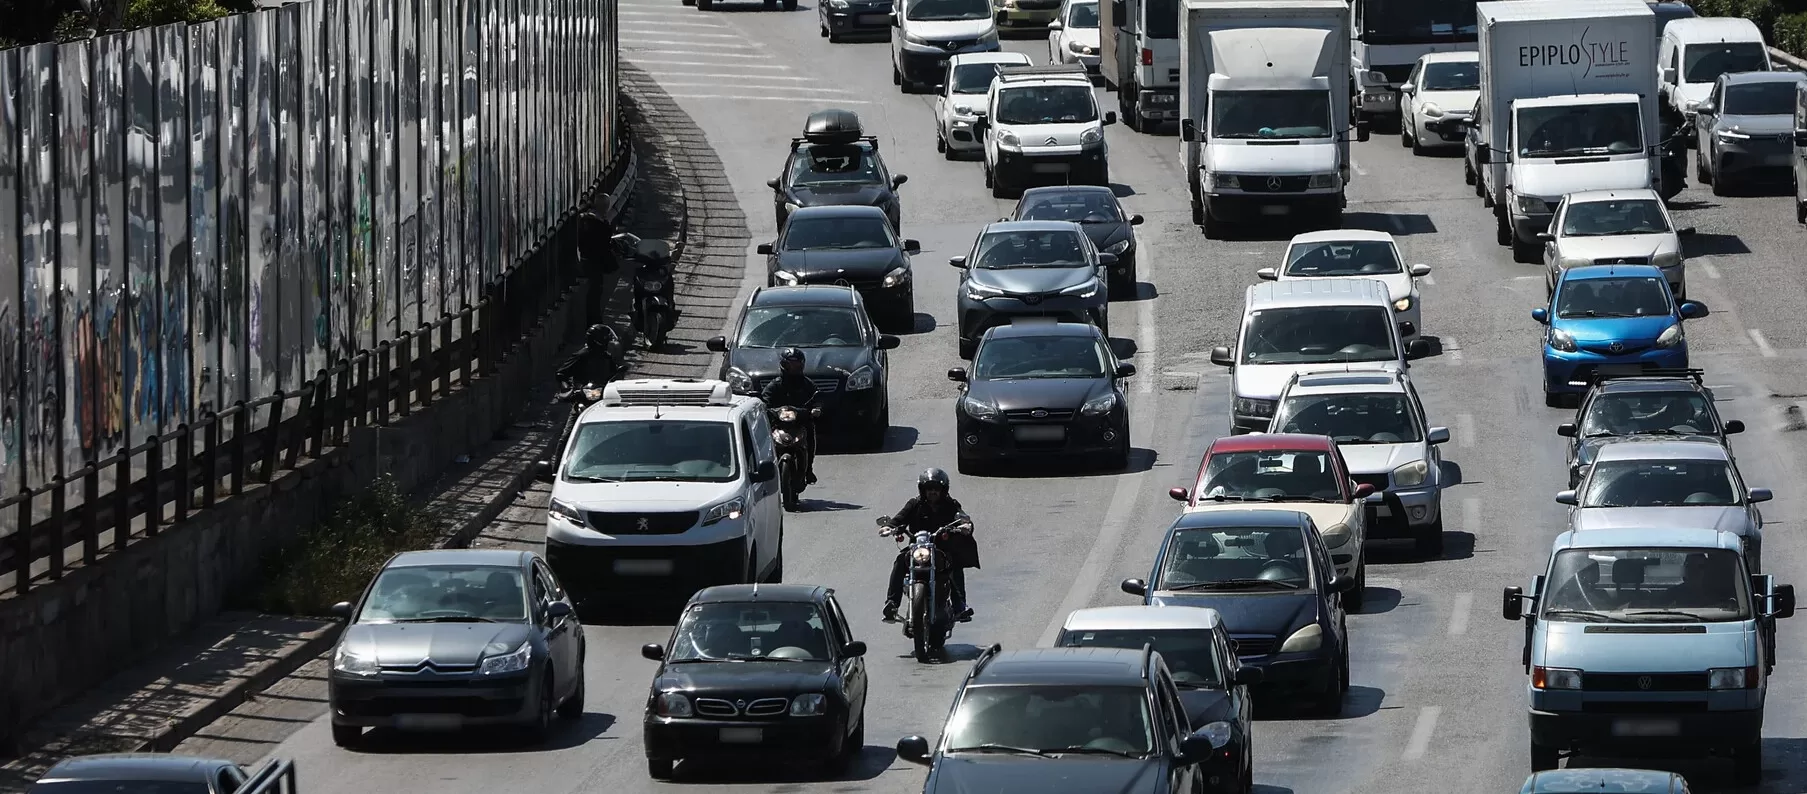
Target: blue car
1610,320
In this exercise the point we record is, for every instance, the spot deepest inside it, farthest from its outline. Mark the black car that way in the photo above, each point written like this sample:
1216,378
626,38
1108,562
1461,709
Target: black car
1031,269
1065,719
162,773
1096,209
843,352
1270,577
1039,388
1676,405
453,638
840,19
850,246
835,164
757,670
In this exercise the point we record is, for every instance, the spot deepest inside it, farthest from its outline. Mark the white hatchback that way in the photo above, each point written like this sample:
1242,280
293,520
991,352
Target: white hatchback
1073,36
963,95
1443,86
1615,227
1356,253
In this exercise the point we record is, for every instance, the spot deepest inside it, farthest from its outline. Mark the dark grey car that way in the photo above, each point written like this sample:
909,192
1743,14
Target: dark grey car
1745,126
163,773
455,638
1031,269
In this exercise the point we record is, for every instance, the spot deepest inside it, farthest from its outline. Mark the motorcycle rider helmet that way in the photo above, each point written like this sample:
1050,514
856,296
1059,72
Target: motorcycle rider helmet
791,359
932,478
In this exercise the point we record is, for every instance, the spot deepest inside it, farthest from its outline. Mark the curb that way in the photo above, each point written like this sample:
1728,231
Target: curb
187,725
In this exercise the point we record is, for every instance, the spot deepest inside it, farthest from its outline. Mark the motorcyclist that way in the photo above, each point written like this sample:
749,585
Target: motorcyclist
597,362
792,388
932,508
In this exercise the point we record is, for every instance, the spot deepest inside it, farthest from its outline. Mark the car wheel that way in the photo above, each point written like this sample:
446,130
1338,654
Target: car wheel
1405,137
1720,186
1525,253
1468,174
1552,400
573,707
1800,211
875,435
1429,543
940,144
1544,758
1418,149
896,75
1747,764
1119,459
705,5
789,5
347,735
1701,174
1358,596
1502,231
852,747
967,348
1330,702
660,768
541,727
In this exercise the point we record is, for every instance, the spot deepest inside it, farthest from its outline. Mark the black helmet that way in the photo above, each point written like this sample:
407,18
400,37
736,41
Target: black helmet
791,354
600,334
931,478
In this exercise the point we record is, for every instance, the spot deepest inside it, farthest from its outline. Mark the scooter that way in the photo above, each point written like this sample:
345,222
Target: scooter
793,442
930,618
655,312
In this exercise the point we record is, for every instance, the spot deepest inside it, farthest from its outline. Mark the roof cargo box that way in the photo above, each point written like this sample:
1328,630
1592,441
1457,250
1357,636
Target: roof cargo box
832,127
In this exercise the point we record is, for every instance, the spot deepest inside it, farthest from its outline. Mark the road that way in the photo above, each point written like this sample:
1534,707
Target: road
1438,697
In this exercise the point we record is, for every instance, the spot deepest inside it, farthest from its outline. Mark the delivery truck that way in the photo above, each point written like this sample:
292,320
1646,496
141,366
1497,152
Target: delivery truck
1264,110
1390,37
1139,58
1568,103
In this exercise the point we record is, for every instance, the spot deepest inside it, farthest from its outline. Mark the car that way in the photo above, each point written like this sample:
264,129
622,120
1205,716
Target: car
1645,481
1442,87
1472,146
1378,423
1676,405
851,246
926,33
162,773
836,163
1669,11
1615,227
1041,124
1106,716
1039,389
1604,780
1031,269
1097,211
1745,129
454,638
709,702
838,20
1289,473
843,353
1693,52
1073,35
1268,574
1213,685
1610,320
962,98
1025,13
1356,253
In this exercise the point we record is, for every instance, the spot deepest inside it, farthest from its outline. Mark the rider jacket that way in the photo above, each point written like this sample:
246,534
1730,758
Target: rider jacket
796,391
918,515
590,364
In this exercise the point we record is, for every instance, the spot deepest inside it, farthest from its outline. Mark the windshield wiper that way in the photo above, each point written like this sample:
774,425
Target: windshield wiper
1299,497
1585,613
1198,685
1669,612
1601,434
1658,431
1230,497
1082,750
449,619
745,657
1001,748
588,478
1230,584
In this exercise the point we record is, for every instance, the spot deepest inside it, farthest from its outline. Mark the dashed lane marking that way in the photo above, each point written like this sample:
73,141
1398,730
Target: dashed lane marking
1458,616
818,100
1451,349
1420,743
1465,430
663,64
1709,269
713,53
1471,516
1762,344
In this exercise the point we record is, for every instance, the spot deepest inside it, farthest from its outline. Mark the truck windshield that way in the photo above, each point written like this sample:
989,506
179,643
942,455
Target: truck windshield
1047,104
1270,114
1416,21
1704,63
1580,130
1319,334
1161,19
1658,585
1759,99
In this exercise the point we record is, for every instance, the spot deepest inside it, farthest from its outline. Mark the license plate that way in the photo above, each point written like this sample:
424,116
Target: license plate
428,722
875,19
1776,159
743,735
643,567
1163,99
1049,168
1275,209
1646,727
1041,433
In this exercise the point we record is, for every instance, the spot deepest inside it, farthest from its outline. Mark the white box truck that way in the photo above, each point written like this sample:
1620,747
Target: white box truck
1139,58
1568,103
1390,37
1264,109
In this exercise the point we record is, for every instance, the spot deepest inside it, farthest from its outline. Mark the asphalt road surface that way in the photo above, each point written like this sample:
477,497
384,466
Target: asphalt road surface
1438,702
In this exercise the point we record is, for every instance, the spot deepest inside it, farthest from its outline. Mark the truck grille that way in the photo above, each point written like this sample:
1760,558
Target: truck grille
641,523
1274,184
1643,706
1644,682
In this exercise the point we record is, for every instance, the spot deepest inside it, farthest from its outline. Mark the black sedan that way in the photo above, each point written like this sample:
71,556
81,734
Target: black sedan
843,352
455,638
757,671
1270,577
850,246
1096,209
1040,389
836,164
1676,406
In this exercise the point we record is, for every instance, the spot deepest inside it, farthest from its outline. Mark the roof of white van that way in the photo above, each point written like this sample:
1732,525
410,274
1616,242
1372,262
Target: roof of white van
1573,99
1699,29
1318,292
1465,56
1560,10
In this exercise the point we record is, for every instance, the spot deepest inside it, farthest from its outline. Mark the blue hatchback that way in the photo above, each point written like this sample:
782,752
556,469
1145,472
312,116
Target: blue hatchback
1610,320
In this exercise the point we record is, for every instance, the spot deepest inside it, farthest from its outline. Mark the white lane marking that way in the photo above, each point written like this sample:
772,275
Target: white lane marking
1420,742
663,64
1359,170
1450,347
1458,616
699,36
665,22
713,52
811,89
1145,324
1708,268
752,98
1471,516
1525,278
1762,344
631,12
1465,430
717,76
1385,583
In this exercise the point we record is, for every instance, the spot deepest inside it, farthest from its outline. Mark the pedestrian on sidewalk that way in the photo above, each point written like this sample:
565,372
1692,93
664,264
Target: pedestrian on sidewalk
596,252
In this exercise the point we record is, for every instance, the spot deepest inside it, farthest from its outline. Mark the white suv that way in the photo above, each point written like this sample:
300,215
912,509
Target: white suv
963,96
1041,123
666,487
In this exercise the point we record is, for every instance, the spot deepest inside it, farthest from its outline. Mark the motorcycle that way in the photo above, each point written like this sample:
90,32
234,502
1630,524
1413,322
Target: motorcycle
930,618
793,442
655,312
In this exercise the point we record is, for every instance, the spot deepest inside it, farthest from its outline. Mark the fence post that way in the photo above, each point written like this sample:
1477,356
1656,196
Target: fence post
59,532
210,459
404,374
473,351
297,435
363,389
122,498
427,367
185,483
22,545
240,421
341,410
316,423
445,357
90,512
273,436
153,485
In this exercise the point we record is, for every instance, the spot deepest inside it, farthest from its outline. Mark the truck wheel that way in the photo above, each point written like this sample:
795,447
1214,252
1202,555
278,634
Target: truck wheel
1525,253
1747,764
1126,107
1544,759
1198,213
1800,211
1502,231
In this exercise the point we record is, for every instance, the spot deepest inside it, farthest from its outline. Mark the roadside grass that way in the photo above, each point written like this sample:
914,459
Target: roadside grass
333,561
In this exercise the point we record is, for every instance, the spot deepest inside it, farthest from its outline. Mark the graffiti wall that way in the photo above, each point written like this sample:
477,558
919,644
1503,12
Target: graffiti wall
194,215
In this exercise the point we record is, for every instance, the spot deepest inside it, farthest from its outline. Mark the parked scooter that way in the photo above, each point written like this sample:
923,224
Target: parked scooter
791,435
929,619
655,312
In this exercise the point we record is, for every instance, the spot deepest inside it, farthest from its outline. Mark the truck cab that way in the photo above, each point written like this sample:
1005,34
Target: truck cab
1139,58
1568,144
1389,36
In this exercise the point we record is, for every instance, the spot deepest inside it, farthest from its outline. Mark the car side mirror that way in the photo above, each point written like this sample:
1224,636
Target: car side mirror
957,374
653,651
1179,494
1546,237
1669,75
1567,498
1248,675
895,22
1363,132
1483,156
1760,495
1363,491
957,261
1188,130
1268,274
1344,584
772,183
1512,603
1734,427
1054,24
912,246
1220,356
765,471
1420,271
543,470
1417,348
1437,435
888,342
1194,748
1110,117
342,610
1686,231
1126,370
1135,220
897,181
764,249
1782,602
558,610
1542,316
1376,498
717,344
853,650
1107,259
1566,430
1408,88
1693,310
1706,109
1134,587
914,749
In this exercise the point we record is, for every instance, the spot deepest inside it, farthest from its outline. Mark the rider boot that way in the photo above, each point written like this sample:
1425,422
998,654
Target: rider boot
962,612
809,459
894,591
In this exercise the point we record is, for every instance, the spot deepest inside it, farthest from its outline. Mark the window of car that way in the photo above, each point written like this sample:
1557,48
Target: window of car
1613,297
1078,207
1053,103
975,78
1082,16
230,778
801,326
1705,62
653,450
1271,475
1052,718
1652,585
1452,76
1236,558
1002,250
1317,334
845,629
446,594
1343,258
825,164
1190,653
718,632
120,787
1659,483
1615,217
812,234
1759,99
946,10
1655,412
1027,357
542,593
1372,418
551,582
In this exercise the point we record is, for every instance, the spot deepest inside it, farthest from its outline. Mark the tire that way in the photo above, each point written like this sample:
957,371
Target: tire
1502,231
789,5
1544,759
875,435
1700,170
967,349
919,614
1119,459
660,768
998,189
896,76
1720,188
1800,211
541,728
705,5
1747,764
1213,228
1429,543
1552,400
1329,704
941,145
1198,212
1418,149
1357,598
1405,138
347,736
573,707
1523,252
1468,173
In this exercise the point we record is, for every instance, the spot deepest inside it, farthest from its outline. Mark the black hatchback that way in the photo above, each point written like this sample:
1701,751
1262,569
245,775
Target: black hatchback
849,246
1096,209
1039,388
836,163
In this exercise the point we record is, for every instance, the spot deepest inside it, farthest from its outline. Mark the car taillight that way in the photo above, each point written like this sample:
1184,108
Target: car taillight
1147,57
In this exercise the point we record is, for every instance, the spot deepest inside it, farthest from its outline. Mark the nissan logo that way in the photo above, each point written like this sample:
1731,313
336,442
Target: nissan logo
1273,183
1617,347
643,524
740,705
1644,682
1039,413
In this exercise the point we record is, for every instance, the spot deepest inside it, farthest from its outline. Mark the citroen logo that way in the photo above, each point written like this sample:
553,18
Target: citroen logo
1051,141
1644,682
643,524
1617,347
1039,413
1273,183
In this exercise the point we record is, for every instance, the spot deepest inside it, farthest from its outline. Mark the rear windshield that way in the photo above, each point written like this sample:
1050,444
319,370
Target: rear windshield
120,787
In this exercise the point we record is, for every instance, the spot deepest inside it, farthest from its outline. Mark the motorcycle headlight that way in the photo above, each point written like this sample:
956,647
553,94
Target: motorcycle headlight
1532,205
728,510
921,556
652,285
508,661
1099,406
1431,110
861,378
1217,733
1562,340
810,705
1322,180
1092,135
1248,406
349,663
1403,304
672,704
896,276
1118,248
783,437
1411,475
978,409
1337,536
1009,139
1086,290
1309,638
740,382
1671,336
787,414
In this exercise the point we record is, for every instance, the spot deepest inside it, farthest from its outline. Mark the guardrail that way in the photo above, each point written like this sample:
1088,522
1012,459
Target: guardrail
1787,60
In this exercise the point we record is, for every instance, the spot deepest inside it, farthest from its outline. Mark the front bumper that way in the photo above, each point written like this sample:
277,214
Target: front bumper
433,702
1688,733
590,571
1573,372
1756,153
1378,99
874,20
1060,165
958,133
1309,673
1526,227
1078,434
924,65
1248,206
1404,511
1443,131
809,738
979,316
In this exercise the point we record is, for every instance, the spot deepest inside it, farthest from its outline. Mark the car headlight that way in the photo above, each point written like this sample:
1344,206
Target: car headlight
1337,535
916,40
510,662
963,110
987,40
1671,336
1575,261
740,382
810,705
1099,406
1217,733
1248,406
1732,678
1561,340
566,511
861,378
1532,204
1411,475
1402,304
1667,259
1309,638
350,663
1085,290
1223,180
1322,180
728,510
841,4
1431,110
896,276
1091,135
978,409
1118,248
672,704
980,292
1009,139
785,278
1555,678
1731,134
1378,78
1078,49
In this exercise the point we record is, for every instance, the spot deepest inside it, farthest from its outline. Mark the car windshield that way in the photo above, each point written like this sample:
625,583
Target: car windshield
1759,99
813,234
1084,206
1014,249
1052,719
1315,334
975,78
947,10
1614,218
1343,258
1190,653
1017,357
1452,76
1647,586
1659,483
1270,114
1350,418
1704,63
1082,16
652,450
1682,412
801,326
446,593
1258,558
1270,476
825,164
120,787
1613,297
1046,104
1579,130
716,632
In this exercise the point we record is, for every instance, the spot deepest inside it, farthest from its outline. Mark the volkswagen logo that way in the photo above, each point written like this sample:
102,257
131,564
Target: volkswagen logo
1039,413
1616,347
643,524
1644,682
1273,183
1051,141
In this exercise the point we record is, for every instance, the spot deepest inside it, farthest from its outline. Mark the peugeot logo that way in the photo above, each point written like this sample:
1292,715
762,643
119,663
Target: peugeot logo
643,524
1644,682
1039,413
1273,183
1051,141
1617,347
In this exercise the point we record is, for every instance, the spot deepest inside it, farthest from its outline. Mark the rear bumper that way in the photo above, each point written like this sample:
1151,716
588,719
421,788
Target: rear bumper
805,738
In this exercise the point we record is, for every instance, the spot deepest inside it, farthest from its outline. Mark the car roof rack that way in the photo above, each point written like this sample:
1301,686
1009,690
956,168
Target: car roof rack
1696,375
833,127
1068,70
667,393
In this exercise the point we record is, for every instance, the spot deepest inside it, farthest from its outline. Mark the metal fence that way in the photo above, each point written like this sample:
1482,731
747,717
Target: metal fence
325,209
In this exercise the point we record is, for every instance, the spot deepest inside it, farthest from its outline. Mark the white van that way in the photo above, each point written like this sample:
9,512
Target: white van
1693,54
926,33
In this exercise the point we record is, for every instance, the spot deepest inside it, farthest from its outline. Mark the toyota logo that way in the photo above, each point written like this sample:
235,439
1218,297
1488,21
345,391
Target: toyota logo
1039,413
643,524
1051,141
1273,183
1032,299
841,282
1644,682
1617,347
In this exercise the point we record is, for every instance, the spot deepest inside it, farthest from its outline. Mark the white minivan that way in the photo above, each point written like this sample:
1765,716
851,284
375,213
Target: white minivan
926,33
1693,54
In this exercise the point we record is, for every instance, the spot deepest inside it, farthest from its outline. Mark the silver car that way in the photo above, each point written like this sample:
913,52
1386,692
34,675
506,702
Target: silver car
1668,485
1745,126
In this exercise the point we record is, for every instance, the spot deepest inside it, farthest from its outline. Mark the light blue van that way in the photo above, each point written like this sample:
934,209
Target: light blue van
1649,642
